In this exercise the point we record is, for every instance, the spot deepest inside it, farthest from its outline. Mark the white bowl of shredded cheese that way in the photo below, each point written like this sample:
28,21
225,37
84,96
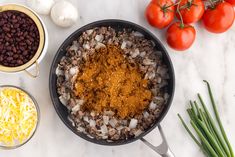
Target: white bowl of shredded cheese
19,117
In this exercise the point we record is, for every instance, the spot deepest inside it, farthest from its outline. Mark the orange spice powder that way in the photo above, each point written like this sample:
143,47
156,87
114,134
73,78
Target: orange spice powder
108,81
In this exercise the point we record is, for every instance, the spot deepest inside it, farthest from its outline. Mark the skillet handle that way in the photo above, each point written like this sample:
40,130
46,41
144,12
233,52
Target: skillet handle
163,149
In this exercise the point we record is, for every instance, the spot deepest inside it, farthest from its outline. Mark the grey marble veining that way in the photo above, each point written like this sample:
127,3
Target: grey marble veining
211,58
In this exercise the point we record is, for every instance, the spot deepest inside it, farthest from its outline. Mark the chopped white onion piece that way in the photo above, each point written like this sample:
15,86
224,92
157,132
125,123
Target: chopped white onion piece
92,113
162,71
133,123
92,123
151,75
146,114
142,54
63,100
147,61
120,128
152,106
109,113
106,120
59,72
90,136
138,34
74,47
79,102
69,118
138,132
113,122
123,46
89,32
124,122
104,129
158,98
86,46
76,108
80,129
104,137
99,45
159,80
67,76
135,53
166,96
99,38
85,118
73,70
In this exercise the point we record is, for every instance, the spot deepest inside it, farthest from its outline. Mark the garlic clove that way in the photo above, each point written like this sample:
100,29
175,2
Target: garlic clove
64,14
40,6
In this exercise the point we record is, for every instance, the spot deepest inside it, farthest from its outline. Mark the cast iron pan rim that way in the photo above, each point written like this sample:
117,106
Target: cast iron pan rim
171,69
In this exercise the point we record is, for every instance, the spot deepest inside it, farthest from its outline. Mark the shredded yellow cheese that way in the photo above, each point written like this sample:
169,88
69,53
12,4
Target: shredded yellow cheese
18,116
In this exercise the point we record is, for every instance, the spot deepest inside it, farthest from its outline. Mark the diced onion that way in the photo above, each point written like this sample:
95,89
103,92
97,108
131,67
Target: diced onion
133,123
152,106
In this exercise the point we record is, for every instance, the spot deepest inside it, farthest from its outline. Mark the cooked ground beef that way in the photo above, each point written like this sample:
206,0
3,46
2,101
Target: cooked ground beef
108,124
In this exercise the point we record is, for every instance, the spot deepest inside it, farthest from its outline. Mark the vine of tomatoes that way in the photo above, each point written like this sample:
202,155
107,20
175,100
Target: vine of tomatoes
217,16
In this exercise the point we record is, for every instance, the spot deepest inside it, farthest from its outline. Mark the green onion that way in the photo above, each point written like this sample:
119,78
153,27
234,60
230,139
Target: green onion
218,119
212,140
218,134
204,140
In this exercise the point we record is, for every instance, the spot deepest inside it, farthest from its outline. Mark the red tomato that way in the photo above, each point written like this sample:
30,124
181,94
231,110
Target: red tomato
160,13
219,19
180,38
191,10
232,2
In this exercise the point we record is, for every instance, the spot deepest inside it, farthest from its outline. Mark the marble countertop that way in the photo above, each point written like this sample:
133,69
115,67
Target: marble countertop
211,58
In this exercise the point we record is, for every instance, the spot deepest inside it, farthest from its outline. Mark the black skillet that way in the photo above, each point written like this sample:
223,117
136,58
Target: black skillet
62,111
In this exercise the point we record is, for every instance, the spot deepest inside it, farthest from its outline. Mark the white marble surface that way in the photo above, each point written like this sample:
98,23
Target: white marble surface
211,58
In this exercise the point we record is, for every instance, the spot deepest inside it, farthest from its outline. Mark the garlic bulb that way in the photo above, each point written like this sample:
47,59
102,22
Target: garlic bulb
64,14
41,6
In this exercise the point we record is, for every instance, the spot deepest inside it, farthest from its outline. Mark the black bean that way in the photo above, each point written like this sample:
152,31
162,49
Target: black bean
8,48
25,60
5,63
25,33
10,53
1,58
22,48
9,58
14,20
9,35
14,49
35,48
1,23
22,15
6,29
25,53
7,38
13,31
19,38
15,56
19,61
13,61
28,42
9,14
5,16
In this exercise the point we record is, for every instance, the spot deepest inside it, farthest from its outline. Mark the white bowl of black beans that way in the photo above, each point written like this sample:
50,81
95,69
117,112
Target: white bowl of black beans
23,39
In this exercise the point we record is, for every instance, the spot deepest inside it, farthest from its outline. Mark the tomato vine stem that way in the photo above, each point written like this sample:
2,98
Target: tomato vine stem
181,18
188,5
